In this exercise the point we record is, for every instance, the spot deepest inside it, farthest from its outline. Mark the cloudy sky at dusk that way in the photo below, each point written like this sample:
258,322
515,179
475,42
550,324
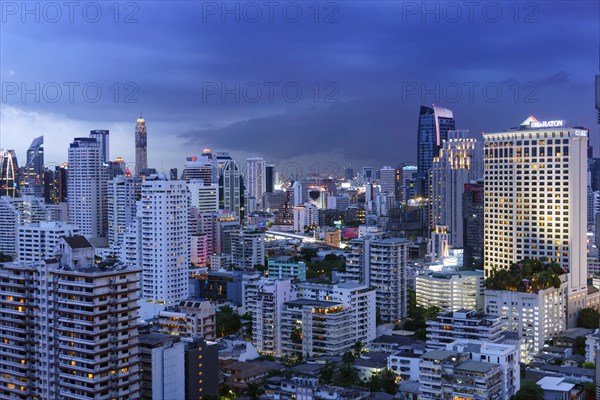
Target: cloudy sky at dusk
298,81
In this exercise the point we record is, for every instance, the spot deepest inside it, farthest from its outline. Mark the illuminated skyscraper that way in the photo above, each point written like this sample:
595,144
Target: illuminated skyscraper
535,201
8,173
256,179
434,124
33,173
141,146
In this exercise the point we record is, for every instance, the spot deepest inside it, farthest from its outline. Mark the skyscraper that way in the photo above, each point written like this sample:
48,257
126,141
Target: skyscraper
122,195
473,224
86,183
387,180
165,240
270,178
197,168
9,176
458,162
536,203
33,172
101,135
256,179
141,146
434,124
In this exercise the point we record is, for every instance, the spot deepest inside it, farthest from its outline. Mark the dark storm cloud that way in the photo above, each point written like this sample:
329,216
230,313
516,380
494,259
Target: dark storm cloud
375,55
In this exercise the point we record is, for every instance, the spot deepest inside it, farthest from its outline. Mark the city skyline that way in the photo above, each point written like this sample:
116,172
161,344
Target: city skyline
374,91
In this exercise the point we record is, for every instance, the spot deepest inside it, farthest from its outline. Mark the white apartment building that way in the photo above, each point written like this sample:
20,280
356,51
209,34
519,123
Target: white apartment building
247,248
447,374
265,302
165,240
507,356
204,196
69,327
256,179
123,192
163,363
536,203
463,324
37,241
305,215
190,318
15,211
87,181
458,162
535,316
383,264
450,291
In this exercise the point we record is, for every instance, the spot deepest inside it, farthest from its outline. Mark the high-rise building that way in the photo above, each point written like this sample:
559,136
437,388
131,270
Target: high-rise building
101,136
231,188
472,215
434,124
270,178
15,211
33,171
141,146
123,193
77,338
55,185
165,255
387,180
86,181
9,173
450,291
38,241
409,182
248,248
368,174
458,162
536,203
197,169
162,361
204,197
256,182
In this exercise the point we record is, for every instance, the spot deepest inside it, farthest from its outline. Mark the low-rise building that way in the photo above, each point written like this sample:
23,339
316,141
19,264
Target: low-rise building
463,324
450,291
190,318
286,267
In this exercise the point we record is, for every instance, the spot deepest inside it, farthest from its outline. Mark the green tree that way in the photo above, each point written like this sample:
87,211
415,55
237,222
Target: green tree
590,390
384,381
529,391
327,373
5,258
254,391
579,345
308,253
227,321
588,318
348,358
358,348
588,364
296,335
346,376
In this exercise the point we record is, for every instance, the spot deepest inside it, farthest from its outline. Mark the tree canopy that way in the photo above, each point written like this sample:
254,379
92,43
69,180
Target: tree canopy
529,391
588,318
526,276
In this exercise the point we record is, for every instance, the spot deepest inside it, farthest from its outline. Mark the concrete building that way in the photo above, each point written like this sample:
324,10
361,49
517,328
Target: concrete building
463,324
37,241
458,162
141,146
15,211
352,308
165,241
507,356
204,196
248,248
70,327
450,291
123,194
163,367
256,180
536,203
535,316
285,267
451,375
87,182
190,318
264,300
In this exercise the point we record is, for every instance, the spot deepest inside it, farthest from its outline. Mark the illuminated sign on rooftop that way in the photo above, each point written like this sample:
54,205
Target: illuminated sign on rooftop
547,124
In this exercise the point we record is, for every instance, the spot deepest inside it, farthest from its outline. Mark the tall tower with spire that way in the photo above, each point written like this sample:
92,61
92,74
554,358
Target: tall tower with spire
141,146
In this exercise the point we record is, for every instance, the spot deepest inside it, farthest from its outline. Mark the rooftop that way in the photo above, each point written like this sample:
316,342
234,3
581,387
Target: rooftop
475,366
77,242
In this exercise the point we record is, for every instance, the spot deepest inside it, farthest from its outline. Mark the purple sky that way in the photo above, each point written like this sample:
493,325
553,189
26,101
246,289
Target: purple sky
341,82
